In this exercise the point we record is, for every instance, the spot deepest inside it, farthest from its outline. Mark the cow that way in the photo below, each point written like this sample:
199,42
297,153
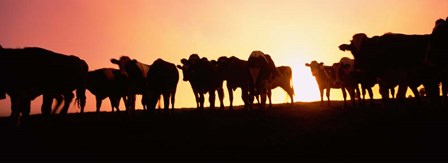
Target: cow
284,81
345,78
262,70
136,74
236,72
325,78
391,53
107,83
162,80
436,61
52,75
204,78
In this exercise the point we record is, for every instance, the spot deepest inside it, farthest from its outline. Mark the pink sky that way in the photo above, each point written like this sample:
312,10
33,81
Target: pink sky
292,32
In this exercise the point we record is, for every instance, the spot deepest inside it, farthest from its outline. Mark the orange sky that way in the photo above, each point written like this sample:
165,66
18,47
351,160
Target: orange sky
292,32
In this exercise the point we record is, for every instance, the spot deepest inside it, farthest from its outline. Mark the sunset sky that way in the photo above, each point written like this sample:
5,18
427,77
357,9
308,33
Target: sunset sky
292,32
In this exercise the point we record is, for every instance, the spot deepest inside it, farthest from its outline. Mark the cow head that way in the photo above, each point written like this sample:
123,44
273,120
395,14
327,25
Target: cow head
131,68
315,67
122,63
187,66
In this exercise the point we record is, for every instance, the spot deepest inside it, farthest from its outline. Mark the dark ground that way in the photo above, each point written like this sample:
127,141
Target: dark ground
407,132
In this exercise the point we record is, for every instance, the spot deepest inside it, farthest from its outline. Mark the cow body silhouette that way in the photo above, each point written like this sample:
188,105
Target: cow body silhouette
398,54
236,72
162,80
262,70
203,76
53,74
107,83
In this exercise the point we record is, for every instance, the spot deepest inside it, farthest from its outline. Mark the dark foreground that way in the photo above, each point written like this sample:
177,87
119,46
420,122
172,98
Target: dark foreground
304,131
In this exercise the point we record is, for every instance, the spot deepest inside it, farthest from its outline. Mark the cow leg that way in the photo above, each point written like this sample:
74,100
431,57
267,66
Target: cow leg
344,95
269,94
166,101
321,90
415,92
392,92
16,102
68,97
59,100
221,98
173,98
131,103
99,100
444,92
211,99
369,90
230,91
201,101
47,100
401,94
113,102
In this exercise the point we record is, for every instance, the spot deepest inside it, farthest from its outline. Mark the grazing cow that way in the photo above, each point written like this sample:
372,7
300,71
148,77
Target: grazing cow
437,60
204,78
345,78
262,70
162,80
53,74
107,82
236,72
325,78
398,54
136,74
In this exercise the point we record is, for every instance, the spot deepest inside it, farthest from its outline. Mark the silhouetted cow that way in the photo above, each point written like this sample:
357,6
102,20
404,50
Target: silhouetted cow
162,80
203,76
236,72
31,71
345,78
106,82
262,70
325,78
136,74
282,80
437,60
398,54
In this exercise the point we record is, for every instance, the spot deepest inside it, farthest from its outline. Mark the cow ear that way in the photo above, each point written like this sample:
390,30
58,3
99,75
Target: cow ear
320,64
114,61
307,64
134,61
179,67
183,61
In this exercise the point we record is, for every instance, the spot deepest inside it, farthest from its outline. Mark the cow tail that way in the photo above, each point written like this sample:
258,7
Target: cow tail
82,85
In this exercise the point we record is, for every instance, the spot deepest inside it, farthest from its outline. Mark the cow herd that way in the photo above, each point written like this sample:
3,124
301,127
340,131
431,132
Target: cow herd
31,71
389,60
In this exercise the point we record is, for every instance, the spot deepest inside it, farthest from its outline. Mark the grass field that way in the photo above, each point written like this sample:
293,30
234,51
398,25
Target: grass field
406,132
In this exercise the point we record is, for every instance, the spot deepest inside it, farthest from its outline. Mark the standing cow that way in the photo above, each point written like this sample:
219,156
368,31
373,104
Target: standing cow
204,78
107,82
136,74
262,70
398,54
53,74
162,80
236,72
325,78
436,61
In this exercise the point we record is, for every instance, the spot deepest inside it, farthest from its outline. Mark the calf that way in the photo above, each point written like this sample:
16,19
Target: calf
325,77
